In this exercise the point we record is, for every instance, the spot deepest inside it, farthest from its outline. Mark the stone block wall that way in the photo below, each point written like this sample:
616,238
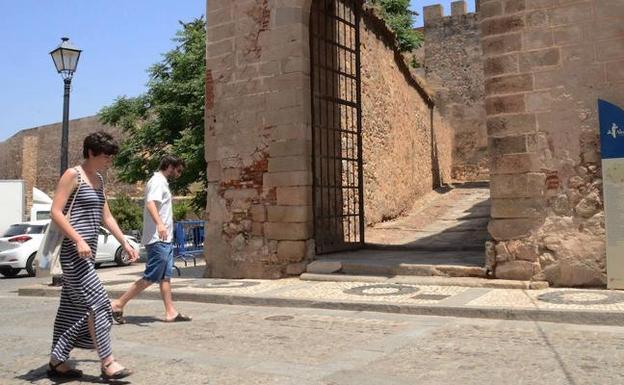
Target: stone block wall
547,62
454,69
39,148
258,138
259,128
399,152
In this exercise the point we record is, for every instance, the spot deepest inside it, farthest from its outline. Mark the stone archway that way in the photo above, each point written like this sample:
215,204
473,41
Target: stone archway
259,137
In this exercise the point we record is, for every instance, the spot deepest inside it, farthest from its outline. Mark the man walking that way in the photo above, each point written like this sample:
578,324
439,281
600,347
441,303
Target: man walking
157,238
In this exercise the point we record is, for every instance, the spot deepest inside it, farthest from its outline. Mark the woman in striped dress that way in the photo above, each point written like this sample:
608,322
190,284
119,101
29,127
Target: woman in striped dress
84,317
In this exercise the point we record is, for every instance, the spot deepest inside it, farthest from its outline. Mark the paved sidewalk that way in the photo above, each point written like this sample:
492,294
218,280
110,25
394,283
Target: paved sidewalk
406,295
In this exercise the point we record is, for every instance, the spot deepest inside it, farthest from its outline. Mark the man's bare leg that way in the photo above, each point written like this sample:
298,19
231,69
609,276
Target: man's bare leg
165,292
136,288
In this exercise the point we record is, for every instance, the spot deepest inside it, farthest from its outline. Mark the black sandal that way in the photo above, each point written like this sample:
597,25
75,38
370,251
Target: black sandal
122,373
179,318
53,372
118,317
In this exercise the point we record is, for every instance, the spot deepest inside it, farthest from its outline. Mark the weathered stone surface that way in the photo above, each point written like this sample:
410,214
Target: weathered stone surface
561,205
42,144
296,268
520,270
574,273
523,250
288,231
324,267
588,206
490,255
289,213
560,80
453,66
503,229
504,104
397,133
292,251
509,84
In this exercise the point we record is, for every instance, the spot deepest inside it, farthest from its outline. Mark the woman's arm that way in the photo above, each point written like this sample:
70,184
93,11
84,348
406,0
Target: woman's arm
111,224
65,186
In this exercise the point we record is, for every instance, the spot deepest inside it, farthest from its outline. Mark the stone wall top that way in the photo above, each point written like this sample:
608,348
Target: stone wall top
433,13
383,32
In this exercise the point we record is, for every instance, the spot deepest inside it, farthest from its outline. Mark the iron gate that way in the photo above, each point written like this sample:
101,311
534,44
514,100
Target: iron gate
336,125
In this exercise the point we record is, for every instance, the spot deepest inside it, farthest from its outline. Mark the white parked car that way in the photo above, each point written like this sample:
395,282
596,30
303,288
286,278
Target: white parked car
19,245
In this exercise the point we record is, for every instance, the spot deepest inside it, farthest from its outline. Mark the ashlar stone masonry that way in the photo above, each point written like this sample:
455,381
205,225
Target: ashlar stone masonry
552,61
258,135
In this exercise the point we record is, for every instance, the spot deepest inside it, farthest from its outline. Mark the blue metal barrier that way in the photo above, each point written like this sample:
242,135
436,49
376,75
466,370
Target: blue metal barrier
188,242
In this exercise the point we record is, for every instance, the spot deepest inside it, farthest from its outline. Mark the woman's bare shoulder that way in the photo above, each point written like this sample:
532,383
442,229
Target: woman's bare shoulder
69,176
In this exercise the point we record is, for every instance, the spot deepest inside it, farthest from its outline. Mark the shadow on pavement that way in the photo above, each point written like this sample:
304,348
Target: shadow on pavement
141,320
35,375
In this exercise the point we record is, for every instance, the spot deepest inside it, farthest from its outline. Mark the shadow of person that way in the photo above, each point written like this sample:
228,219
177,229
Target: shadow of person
141,320
33,376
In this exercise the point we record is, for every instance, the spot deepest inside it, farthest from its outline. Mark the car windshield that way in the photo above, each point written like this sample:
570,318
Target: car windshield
23,228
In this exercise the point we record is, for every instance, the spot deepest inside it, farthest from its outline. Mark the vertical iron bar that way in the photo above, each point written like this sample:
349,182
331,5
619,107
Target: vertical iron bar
325,148
313,19
359,121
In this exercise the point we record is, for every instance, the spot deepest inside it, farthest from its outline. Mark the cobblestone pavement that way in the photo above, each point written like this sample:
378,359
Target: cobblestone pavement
237,345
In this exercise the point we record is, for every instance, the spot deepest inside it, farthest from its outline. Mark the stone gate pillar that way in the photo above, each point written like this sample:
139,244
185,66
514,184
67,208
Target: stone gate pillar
546,64
258,138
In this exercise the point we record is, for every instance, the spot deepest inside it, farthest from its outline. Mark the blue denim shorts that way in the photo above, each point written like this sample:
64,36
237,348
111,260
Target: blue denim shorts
159,264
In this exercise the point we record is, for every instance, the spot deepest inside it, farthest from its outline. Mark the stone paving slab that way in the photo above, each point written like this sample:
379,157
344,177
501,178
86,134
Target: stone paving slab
581,306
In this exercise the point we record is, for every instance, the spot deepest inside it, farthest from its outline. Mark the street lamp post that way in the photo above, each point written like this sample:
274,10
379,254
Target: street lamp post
65,58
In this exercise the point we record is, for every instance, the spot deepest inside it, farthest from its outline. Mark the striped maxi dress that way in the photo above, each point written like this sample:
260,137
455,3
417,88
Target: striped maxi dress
82,293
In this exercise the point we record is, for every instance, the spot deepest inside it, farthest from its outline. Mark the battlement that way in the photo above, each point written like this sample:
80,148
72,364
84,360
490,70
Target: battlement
433,13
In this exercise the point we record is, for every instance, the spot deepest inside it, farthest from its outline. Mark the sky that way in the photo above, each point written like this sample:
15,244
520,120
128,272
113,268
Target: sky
120,39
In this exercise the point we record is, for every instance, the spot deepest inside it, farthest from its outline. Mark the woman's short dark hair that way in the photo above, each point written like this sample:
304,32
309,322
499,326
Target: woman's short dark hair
99,143
170,160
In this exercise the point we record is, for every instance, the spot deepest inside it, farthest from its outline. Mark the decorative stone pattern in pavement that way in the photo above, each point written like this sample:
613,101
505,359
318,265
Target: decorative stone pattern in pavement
381,290
353,291
224,284
582,298
570,299
237,287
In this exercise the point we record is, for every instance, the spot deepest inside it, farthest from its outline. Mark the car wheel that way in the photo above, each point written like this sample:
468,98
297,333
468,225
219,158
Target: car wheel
97,265
121,257
30,265
9,272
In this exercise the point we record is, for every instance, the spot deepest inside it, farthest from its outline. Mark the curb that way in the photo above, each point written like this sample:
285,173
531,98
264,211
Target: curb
583,317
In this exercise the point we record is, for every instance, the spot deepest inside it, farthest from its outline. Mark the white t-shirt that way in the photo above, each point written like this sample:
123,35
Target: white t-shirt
157,190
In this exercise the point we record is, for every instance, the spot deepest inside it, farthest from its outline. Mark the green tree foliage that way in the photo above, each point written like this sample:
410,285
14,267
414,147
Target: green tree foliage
128,213
169,117
180,210
399,17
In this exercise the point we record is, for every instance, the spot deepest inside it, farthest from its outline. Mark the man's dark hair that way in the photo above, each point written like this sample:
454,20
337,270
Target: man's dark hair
170,160
99,143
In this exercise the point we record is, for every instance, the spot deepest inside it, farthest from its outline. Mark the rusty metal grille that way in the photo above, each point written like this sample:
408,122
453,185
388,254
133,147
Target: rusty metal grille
337,125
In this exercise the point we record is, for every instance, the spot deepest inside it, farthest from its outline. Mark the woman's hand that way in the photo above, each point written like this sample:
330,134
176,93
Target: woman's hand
133,255
83,249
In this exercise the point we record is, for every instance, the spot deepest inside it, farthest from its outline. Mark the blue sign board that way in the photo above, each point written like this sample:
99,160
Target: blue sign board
611,130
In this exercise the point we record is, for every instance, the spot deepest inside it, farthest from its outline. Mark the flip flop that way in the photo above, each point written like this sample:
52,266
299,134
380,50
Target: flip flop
118,317
180,318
